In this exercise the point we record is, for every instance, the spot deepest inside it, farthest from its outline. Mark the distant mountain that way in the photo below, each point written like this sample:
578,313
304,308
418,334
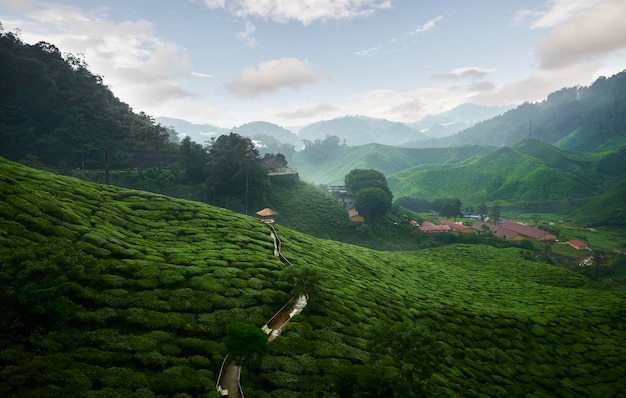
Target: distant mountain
361,130
583,119
259,130
456,119
199,133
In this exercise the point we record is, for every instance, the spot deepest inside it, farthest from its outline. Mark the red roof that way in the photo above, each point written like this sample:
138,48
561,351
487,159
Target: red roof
577,244
455,225
430,227
522,229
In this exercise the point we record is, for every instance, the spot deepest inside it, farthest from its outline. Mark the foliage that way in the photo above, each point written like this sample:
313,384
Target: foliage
146,286
53,110
235,173
372,203
246,343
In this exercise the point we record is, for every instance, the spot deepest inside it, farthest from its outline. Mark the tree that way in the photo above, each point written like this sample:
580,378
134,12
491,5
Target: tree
482,211
359,179
246,343
236,175
303,278
193,160
494,214
372,203
451,209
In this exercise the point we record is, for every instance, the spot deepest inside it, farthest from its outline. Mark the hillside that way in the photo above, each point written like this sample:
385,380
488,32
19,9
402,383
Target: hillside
584,119
111,292
334,163
531,173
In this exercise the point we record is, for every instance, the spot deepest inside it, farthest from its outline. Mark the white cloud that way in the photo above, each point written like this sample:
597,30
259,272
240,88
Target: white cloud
141,68
538,85
306,112
245,35
369,51
272,76
428,25
553,13
303,11
593,32
463,73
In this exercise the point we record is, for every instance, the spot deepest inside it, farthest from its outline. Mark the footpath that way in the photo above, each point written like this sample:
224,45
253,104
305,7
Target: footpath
228,382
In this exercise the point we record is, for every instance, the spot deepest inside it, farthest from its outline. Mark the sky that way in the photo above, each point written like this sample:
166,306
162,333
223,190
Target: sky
294,62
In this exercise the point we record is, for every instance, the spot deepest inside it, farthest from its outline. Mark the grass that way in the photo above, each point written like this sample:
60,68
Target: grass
113,292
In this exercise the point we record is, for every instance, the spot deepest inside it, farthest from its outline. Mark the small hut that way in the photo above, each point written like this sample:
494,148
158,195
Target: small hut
267,215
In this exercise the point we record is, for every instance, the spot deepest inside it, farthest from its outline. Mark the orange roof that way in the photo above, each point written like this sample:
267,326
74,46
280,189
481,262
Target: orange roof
266,212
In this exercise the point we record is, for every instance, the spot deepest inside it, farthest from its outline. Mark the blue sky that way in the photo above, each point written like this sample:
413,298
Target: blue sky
293,62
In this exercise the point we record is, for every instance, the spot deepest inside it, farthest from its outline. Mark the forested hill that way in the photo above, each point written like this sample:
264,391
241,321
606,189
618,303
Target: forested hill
114,292
584,119
532,174
54,112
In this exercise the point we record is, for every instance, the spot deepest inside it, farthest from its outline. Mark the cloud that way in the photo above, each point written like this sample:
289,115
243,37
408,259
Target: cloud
245,35
303,11
551,14
596,31
272,76
369,51
463,73
200,74
140,67
428,25
315,111
537,86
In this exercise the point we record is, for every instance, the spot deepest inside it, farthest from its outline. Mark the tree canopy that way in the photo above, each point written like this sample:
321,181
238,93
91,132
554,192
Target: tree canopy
235,174
54,110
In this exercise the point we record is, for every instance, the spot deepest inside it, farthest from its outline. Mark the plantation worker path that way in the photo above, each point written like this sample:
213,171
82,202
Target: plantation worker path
228,382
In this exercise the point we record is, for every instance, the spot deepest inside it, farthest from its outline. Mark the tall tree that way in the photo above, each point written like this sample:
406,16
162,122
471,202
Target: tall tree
359,179
494,214
235,174
246,343
372,203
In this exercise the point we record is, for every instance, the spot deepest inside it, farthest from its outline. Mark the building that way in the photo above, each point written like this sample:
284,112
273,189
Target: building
578,245
355,217
514,231
429,228
457,226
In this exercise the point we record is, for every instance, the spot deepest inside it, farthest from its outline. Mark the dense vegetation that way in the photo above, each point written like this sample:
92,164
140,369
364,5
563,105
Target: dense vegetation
531,176
111,292
55,113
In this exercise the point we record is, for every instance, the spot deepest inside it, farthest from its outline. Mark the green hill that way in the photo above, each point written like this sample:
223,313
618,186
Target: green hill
506,174
336,161
532,176
114,292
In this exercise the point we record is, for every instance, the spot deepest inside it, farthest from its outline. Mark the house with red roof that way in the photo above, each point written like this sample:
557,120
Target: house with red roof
514,231
457,226
429,228
529,232
578,245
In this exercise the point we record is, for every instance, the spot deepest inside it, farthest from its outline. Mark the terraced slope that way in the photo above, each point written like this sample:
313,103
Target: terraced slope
111,292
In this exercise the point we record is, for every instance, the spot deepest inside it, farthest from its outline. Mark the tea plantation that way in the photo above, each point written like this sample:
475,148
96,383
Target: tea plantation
113,292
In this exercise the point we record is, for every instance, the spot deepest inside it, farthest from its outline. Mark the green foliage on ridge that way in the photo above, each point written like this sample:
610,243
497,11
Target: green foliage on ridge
531,172
110,292
387,159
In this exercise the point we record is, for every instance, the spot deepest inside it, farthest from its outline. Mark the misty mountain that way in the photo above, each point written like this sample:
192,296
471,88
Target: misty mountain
258,130
456,119
361,130
199,133
583,119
